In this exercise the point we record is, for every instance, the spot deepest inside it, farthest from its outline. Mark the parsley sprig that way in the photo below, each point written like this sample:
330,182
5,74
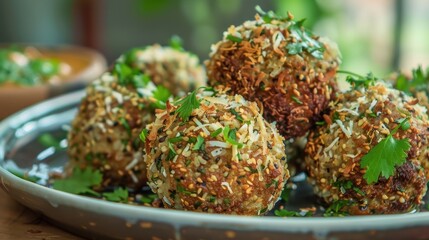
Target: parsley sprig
418,82
358,81
384,157
80,182
187,105
304,41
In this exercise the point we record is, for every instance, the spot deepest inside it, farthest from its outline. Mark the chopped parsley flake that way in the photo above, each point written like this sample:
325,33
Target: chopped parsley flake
199,144
126,125
171,153
216,133
143,135
295,99
230,136
237,115
176,43
384,157
234,38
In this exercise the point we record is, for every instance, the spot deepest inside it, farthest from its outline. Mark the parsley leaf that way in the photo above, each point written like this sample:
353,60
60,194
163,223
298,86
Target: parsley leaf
418,81
118,195
80,182
304,41
186,105
130,76
176,43
269,16
358,81
384,157
148,198
199,144
161,94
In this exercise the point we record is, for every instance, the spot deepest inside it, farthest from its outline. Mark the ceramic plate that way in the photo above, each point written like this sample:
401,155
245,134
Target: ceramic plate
94,218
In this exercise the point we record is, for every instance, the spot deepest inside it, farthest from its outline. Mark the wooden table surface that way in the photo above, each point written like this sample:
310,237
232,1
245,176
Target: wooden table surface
18,222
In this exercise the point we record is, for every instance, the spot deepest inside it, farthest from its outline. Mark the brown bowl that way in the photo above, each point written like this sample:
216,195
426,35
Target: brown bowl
86,65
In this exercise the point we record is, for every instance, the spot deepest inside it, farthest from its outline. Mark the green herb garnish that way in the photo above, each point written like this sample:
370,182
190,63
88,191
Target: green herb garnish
175,139
199,144
335,210
216,133
176,43
24,175
171,153
237,115
48,140
358,81
143,135
187,105
161,94
230,136
418,81
36,71
125,124
288,213
148,198
384,157
295,99
304,41
80,182
347,185
320,123
269,16
233,38
118,195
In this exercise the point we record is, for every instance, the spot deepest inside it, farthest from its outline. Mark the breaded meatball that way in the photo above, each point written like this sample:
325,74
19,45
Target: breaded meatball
359,121
224,159
105,132
280,64
177,70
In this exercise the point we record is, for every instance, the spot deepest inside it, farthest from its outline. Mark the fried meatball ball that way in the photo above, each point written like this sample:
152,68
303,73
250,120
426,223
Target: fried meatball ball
105,132
224,159
258,60
359,120
178,71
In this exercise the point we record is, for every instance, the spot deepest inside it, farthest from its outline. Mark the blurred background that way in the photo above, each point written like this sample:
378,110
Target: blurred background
378,36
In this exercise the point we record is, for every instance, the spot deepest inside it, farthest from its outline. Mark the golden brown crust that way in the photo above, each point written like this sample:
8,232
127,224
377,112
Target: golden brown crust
294,89
219,177
105,133
333,158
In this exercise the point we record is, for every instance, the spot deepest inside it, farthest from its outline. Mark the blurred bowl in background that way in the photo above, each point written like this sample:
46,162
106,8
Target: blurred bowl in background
85,65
